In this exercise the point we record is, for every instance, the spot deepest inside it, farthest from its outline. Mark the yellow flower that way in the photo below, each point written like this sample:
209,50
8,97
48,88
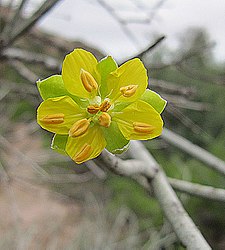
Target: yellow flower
94,105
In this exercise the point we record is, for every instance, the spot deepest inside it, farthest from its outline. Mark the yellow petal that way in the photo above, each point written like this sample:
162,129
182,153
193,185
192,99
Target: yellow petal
86,146
73,64
131,73
139,121
58,114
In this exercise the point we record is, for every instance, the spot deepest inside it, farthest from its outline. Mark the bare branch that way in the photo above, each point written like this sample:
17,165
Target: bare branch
172,88
146,166
29,23
194,150
149,48
208,192
30,57
23,71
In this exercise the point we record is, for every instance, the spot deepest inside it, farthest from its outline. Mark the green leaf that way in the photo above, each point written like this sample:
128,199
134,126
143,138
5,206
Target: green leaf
154,99
116,142
59,143
52,86
105,67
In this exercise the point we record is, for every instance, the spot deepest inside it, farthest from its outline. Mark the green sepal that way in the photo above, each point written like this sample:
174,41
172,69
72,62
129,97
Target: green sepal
116,142
105,67
59,143
154,99
53,86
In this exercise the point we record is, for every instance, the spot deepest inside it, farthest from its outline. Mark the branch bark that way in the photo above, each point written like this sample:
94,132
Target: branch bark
146,166
216,194
194,150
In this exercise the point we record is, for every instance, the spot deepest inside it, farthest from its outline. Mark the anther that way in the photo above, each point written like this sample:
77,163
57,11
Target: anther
105,106
83,154
79,128
128,91
93,109
143,128
53,119
88,81
104,119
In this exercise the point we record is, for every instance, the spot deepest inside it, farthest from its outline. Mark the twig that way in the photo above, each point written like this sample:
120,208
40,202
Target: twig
23,71
29,23
198,190
149,48
194,150
182,102
26,56
172,88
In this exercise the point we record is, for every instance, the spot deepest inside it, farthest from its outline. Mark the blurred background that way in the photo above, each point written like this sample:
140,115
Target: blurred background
49,202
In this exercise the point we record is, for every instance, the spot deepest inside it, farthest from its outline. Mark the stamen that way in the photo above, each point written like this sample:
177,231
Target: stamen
79,128
93,109
88,81
83,154
128,91
53,119
104,119
105,106
143,128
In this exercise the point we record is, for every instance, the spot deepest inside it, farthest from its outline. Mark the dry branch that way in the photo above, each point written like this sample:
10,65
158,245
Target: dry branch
198,190
181,223
194,150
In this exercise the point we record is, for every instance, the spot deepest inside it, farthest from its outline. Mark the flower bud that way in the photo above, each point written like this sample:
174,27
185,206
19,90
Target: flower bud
53,119
128,91
83,154
88,81
104,119
79,128
143,128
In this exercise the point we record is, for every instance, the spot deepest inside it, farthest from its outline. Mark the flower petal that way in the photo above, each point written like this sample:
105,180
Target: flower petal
71,69
132,72
87,146
58,114
139,121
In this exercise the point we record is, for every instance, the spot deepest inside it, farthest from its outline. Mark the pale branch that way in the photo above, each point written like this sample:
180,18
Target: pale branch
185,120
199,153
26,56
24,71
15,20
146,166
198,190
199,75
173,88
28,23
182,102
